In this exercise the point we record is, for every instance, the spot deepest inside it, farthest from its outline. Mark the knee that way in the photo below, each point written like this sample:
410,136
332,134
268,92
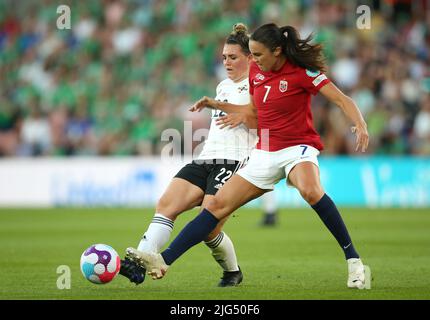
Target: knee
216,205
311,194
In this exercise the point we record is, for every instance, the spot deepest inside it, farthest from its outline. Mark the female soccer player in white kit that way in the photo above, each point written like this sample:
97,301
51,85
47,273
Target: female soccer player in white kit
224,152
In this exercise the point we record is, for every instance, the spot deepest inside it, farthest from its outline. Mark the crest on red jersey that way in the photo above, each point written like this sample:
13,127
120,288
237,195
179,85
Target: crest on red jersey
259,76
283,85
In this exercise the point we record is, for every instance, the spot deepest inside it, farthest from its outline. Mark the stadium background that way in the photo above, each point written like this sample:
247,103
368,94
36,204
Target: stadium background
82,112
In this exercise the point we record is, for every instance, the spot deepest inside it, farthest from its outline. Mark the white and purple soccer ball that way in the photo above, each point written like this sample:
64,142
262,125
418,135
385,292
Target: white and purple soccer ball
100,263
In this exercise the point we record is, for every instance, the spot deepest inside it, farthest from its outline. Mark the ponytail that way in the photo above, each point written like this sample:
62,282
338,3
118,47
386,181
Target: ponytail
298,51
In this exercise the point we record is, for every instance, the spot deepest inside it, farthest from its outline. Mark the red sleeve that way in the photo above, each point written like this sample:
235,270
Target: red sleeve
313,81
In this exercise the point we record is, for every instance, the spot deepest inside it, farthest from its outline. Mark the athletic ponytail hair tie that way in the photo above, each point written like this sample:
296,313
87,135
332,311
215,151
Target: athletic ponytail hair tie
284,31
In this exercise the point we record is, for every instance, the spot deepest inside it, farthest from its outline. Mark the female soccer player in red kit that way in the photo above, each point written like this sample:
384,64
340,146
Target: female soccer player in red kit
284,73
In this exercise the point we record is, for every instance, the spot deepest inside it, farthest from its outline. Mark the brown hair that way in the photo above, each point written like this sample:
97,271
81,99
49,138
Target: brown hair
298,51
239,36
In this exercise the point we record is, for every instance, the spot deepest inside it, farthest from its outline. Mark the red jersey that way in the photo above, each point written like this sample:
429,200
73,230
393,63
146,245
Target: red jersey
283,102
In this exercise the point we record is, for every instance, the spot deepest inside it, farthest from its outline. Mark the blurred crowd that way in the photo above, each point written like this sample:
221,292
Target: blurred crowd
127,70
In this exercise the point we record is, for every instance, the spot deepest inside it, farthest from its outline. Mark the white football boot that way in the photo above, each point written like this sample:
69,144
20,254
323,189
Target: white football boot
358,274
153,262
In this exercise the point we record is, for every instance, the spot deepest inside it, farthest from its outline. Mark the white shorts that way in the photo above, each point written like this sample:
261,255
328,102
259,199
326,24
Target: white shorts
264,169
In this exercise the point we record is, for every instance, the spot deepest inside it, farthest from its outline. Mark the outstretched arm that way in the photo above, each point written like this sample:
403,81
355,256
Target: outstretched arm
210,103
236,113
245,114
332,93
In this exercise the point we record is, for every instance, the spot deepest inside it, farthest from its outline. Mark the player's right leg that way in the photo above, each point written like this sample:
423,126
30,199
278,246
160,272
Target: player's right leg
235,193
181,195
256,178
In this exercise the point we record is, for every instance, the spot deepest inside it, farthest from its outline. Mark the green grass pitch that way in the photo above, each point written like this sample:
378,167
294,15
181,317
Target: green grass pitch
298,259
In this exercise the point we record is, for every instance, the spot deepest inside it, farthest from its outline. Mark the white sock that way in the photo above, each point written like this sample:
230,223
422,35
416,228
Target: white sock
157,234
223,252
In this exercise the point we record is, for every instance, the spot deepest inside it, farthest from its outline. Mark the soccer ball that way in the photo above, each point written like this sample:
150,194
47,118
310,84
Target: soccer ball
100,263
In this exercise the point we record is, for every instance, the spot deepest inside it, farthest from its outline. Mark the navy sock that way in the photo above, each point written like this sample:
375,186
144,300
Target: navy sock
193,233
332,219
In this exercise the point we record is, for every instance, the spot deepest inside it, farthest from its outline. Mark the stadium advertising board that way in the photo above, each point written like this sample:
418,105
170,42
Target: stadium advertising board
139,182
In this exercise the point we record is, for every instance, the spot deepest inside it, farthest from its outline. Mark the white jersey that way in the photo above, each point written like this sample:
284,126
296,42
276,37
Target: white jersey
229,143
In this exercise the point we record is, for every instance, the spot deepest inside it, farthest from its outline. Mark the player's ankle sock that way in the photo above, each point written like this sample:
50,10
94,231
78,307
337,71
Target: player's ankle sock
223,252
331,217
194,232
157,235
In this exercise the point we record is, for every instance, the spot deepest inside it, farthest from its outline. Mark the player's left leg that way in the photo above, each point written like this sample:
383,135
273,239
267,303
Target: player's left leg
305,177
222,250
